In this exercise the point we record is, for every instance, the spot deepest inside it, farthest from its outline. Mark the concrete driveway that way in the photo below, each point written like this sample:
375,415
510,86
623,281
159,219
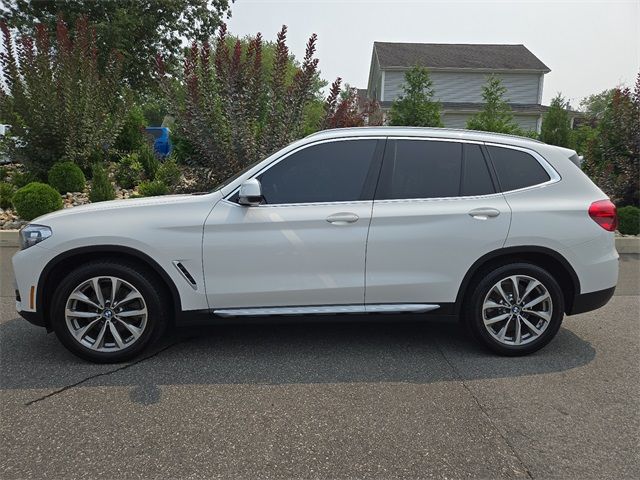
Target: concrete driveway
378,400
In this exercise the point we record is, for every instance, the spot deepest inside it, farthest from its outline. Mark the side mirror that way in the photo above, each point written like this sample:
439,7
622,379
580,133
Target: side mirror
250,194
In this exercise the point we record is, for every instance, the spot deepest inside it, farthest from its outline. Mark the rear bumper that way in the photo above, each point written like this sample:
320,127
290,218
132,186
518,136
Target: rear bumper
587,302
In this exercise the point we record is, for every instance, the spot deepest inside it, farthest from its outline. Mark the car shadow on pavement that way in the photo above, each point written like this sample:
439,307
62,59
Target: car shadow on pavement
414,352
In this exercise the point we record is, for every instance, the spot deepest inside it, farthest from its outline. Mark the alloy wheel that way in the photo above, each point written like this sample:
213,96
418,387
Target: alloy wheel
106,314
517,310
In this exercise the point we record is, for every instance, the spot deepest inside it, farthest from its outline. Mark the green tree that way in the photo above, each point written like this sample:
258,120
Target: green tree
416,107
59,102
595,105
139,29
556,124
496,116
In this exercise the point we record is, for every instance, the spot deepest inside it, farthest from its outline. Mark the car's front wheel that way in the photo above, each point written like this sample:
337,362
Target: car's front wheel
515,309
108,312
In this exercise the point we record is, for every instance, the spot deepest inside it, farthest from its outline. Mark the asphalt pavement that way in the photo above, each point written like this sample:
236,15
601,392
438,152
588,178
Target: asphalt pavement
348,400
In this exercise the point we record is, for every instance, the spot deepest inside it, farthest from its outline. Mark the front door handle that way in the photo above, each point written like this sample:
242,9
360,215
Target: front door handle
484,213
342,218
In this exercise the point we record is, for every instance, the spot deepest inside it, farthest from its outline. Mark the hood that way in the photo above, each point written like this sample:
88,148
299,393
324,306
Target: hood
127,203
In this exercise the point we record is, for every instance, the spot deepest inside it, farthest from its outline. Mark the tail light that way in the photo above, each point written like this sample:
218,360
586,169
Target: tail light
603,212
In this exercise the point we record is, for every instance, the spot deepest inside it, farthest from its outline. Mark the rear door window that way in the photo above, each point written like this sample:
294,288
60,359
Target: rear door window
476,179
420,169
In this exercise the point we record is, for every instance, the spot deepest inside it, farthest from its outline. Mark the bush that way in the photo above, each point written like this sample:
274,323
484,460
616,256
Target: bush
629,220
6,194
36,199
149,161
102,189
169,173
152,189
66,177
129,171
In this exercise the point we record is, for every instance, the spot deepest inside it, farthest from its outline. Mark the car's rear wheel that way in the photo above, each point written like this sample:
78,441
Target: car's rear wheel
108,312
515,309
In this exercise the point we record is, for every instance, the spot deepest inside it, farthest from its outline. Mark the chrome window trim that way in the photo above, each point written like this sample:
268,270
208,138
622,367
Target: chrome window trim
300,148
306,204
554,176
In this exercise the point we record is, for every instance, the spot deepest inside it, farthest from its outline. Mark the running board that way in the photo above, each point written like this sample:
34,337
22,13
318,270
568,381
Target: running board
327,310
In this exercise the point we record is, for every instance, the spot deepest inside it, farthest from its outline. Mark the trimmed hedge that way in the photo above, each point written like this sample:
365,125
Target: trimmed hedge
36,199
66,177
629,220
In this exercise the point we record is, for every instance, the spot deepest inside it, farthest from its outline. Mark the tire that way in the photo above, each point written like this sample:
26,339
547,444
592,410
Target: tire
510,326
131,322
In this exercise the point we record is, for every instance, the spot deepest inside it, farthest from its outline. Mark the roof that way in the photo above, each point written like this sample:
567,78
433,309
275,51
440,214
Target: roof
463,56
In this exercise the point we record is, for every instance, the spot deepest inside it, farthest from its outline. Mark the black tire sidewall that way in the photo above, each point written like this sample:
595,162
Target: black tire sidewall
474,308
141,280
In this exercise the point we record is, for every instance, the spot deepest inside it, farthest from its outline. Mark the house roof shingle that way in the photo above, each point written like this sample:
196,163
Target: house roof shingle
445,55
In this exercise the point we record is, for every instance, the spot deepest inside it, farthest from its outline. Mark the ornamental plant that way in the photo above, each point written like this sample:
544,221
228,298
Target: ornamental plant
6,194
629,220
148,160
153,189
66,177
240,100
169,173
36,199
612,157
236,103
59,100
341,109
129,171
101,188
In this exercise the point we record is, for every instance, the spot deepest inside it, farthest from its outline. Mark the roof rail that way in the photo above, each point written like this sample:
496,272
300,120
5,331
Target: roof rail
425,129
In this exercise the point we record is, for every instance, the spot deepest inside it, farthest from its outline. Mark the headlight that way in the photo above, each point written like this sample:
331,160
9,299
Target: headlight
32,234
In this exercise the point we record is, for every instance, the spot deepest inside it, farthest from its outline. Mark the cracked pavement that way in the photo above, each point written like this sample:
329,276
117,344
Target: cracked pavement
348,400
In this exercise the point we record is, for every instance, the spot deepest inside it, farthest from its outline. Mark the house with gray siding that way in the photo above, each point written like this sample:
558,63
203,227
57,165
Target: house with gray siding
458,72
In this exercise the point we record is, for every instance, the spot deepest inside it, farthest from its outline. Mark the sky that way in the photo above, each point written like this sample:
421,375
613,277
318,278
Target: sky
589,46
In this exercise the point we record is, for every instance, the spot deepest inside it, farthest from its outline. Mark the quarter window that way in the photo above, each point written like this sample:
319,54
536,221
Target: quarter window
326,172
516,169
420,169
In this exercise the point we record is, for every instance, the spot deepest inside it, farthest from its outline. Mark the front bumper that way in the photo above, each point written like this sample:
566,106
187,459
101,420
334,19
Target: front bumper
35,318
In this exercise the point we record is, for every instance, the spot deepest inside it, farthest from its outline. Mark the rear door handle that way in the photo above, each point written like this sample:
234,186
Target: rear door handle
342,218
484,213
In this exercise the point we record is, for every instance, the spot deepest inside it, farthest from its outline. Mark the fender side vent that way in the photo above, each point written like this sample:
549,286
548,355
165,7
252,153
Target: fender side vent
185,273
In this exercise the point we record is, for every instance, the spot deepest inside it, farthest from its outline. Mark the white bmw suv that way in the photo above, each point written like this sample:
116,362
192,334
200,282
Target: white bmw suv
505,233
